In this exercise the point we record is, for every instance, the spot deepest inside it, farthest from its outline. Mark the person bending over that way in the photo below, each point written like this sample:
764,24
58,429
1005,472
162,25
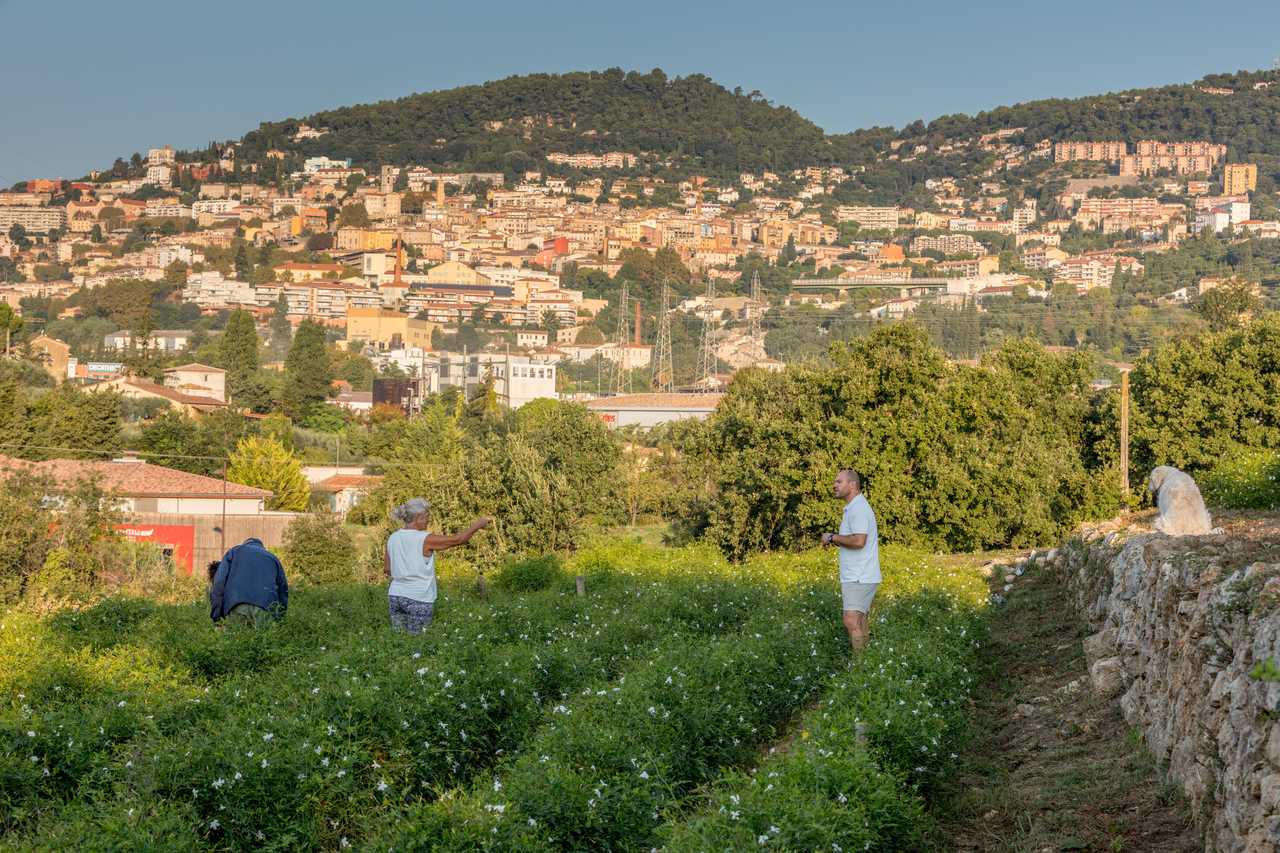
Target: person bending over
249,586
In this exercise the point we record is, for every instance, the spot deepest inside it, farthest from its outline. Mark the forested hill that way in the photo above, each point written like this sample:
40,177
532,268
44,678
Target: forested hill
1247,120
591,112
510,125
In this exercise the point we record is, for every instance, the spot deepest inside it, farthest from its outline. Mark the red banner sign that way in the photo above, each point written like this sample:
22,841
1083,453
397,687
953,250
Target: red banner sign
178,540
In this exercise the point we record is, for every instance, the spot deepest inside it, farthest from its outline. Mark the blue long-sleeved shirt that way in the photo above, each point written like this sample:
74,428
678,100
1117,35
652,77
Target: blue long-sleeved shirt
248,574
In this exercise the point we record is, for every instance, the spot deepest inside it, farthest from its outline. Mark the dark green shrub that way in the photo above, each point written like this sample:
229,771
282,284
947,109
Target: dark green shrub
317,550
1245,479
532,574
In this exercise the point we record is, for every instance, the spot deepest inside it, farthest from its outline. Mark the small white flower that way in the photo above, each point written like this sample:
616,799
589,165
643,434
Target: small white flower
382,785
213,824
265,764
219,782
31,734
268,736
644,774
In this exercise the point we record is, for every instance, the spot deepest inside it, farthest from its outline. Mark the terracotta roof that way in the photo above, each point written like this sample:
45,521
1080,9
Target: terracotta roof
172,393
338,482
132,478
195,365
657,401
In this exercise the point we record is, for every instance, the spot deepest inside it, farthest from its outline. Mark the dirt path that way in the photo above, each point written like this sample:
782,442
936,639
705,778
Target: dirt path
1051,767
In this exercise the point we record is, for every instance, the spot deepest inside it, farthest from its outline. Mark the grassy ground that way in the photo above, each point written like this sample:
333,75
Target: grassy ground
1050,766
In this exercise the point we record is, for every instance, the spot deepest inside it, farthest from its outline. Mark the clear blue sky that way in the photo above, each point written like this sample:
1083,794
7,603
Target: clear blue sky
82,83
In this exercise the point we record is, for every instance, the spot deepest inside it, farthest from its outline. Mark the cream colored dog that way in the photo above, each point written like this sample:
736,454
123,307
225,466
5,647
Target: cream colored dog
1182,511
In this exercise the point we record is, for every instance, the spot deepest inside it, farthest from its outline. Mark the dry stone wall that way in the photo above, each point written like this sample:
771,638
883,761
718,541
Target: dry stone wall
1185,628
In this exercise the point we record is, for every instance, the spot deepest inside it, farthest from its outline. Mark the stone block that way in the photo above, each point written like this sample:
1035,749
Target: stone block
1107,676
1100,645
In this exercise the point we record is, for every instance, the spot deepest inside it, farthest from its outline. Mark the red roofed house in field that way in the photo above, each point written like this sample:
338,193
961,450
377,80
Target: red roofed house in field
143,487
192,517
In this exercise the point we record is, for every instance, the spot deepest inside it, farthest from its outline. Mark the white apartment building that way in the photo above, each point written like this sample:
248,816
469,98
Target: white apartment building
168,210
215,205
211,290
870,217
160,156
516,379
161,340
948,244
160,175
35,220
319,300
311,165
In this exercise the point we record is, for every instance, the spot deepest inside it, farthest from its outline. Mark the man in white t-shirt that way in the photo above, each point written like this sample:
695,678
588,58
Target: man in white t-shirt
859,555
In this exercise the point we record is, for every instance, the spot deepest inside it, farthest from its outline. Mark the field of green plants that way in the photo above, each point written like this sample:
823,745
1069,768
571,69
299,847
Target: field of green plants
684,703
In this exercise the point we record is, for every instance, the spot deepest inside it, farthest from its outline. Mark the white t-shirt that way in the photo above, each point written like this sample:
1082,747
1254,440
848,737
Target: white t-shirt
412,574
860,565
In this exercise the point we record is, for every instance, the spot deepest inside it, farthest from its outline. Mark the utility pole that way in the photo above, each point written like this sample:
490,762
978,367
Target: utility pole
663,372
621,375
706,349
1124,432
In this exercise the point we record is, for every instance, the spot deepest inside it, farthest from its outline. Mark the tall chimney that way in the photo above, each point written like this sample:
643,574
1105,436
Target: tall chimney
637,332
440,191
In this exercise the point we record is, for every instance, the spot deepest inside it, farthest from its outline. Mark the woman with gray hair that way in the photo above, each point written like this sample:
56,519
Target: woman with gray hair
411,564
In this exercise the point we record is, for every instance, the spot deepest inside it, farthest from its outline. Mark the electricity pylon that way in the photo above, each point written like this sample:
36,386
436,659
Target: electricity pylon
663,372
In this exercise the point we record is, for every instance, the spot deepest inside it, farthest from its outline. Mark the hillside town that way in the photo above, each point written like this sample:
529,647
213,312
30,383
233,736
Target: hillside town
393,259
471,457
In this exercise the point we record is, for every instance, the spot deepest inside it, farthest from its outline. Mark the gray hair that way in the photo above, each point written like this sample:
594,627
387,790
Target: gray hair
411,509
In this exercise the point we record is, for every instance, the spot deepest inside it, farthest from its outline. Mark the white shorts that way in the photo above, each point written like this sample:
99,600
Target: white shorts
858,596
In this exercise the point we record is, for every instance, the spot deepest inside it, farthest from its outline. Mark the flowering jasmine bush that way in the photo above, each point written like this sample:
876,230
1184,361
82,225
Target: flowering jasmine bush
535,720
599,774
865,759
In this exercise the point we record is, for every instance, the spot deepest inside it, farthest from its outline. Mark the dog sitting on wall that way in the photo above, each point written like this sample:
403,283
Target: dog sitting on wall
1182,510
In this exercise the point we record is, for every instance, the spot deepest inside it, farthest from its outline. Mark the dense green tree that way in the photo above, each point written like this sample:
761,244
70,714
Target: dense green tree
1198,399
281,328
308,371
354,216
11,323
238,355
199,446
243,264
265,463
318,550
1226,305
955,457
18,235
66,422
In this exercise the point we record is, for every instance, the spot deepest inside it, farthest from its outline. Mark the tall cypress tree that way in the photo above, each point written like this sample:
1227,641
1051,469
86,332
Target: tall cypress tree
307,369
238,352
281,329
